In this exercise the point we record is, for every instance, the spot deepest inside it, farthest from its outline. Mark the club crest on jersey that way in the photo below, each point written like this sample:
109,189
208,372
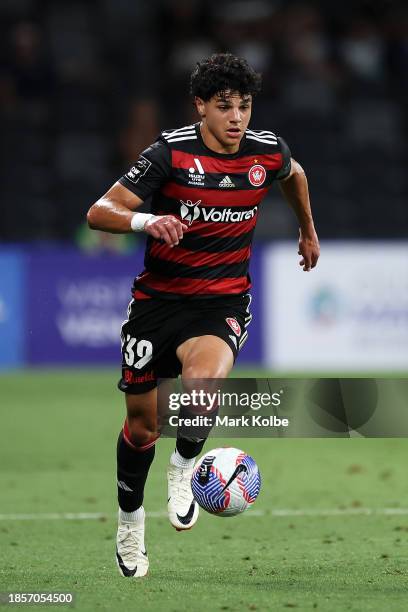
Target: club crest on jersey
189,210
257,175
234,325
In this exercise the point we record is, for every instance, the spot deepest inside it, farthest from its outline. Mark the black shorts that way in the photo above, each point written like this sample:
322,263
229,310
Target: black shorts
156,327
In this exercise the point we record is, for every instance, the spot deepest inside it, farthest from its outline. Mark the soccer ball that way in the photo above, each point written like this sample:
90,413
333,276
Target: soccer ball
225,481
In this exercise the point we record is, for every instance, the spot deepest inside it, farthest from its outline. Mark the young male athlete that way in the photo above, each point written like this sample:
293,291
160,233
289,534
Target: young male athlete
190,306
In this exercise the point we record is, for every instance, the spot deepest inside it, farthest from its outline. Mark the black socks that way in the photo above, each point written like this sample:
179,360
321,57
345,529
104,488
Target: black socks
190,447
132,469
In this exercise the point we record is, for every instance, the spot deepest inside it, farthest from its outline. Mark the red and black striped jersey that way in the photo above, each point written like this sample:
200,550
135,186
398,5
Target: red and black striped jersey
217,196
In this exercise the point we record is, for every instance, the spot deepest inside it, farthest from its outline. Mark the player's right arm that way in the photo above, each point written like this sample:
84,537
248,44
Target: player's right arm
116,211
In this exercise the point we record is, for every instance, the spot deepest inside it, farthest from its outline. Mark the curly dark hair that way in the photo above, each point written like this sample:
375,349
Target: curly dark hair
224,72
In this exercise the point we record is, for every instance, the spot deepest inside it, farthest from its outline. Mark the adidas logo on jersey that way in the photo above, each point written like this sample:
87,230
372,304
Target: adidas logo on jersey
226,182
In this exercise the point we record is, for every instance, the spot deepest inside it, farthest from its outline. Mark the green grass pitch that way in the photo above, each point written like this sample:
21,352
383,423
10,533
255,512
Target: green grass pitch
306,544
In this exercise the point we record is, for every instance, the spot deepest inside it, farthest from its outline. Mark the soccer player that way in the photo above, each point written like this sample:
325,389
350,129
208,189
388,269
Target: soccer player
190,306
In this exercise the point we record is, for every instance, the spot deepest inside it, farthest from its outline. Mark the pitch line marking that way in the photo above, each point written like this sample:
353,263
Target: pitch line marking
278,513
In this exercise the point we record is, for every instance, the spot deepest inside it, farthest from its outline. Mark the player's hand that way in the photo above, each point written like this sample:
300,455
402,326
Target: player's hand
309,249
166,228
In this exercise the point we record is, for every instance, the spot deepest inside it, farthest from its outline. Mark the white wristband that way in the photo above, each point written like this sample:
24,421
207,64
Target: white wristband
139,220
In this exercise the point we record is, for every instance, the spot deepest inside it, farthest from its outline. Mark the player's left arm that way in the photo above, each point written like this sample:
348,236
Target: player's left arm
296,192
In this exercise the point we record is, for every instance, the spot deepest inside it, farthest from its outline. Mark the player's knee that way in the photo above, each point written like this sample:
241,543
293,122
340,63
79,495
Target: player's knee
141,419
141,433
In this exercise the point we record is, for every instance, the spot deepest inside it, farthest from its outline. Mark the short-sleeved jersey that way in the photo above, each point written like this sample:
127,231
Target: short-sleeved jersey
217,196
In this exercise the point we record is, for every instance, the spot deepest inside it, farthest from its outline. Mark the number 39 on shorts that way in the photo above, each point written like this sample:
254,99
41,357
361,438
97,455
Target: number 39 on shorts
134,349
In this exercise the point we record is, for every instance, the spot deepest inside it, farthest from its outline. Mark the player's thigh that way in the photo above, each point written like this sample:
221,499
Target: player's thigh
205,356
147,342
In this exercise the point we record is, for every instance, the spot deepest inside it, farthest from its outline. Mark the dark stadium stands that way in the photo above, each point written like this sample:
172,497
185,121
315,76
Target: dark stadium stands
84,86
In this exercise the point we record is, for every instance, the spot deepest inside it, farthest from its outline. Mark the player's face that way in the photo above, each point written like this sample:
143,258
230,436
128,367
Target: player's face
225,118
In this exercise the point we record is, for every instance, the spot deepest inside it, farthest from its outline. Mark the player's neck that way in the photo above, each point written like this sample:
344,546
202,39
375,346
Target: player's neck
214,144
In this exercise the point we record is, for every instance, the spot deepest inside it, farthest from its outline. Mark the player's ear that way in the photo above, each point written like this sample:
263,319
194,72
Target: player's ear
199,103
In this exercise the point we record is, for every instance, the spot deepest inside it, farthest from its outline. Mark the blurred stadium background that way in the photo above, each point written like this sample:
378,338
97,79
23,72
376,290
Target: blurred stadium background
85,86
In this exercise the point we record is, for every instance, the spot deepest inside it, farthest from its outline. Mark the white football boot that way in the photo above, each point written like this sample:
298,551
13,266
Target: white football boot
182,507
131,555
